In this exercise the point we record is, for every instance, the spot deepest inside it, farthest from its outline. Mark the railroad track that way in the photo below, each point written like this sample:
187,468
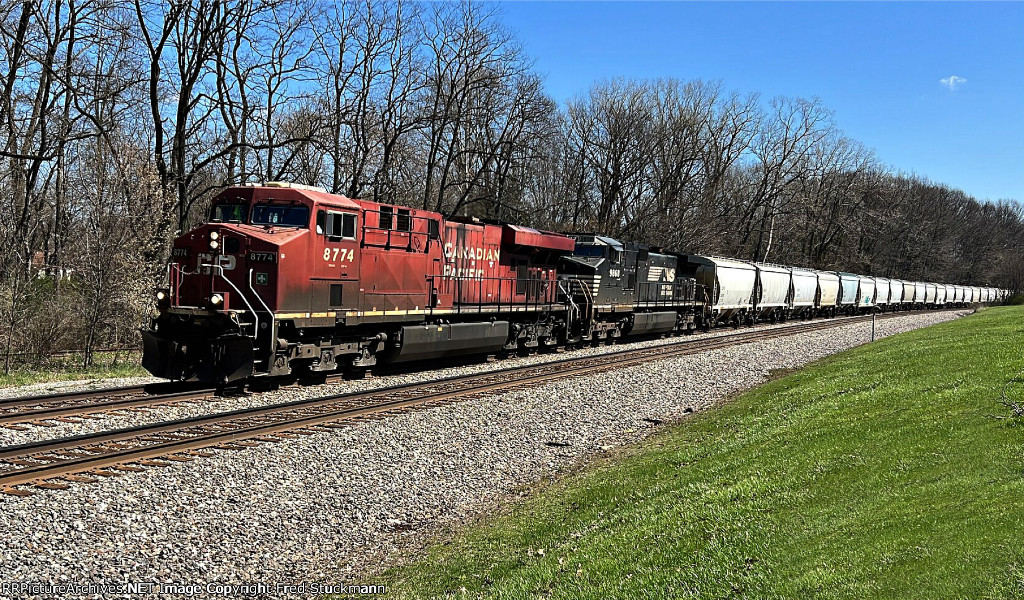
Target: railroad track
72,406
51,464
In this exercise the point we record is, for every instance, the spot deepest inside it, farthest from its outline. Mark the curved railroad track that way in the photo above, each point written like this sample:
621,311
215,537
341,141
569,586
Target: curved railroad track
71,407
49,464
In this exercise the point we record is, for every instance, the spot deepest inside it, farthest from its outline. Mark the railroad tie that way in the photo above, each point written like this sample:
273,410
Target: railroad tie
13,491
109,447
78,479
48,458
104,473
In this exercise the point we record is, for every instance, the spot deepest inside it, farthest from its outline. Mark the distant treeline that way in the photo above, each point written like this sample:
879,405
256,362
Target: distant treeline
119,119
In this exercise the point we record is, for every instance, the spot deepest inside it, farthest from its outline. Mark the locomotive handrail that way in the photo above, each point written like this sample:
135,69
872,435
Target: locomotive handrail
240,295
574,308
586,293
679,291
534,295
411,231
175,285
170,282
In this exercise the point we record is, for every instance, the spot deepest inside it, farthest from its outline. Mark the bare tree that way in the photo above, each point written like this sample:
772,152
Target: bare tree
781,149
476,82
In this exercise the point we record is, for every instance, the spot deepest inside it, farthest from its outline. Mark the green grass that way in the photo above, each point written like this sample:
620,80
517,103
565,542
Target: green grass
69,368
889,471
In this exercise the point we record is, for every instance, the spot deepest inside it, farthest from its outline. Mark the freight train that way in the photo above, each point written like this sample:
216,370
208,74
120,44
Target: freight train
285,279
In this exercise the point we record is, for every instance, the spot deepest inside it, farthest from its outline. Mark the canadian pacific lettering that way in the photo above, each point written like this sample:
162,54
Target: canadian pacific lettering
471,255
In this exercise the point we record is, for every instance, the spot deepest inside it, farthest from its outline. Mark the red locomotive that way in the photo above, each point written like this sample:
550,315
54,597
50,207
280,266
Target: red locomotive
286,279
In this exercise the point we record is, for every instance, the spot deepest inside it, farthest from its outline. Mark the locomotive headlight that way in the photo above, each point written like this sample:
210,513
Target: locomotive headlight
214,235
216,299
214,244
160,295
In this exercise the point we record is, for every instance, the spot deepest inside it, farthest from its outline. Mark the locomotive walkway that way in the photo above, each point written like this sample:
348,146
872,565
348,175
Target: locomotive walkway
50,464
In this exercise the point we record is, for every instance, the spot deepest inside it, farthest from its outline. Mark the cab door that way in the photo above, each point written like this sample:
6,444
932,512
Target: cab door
335,259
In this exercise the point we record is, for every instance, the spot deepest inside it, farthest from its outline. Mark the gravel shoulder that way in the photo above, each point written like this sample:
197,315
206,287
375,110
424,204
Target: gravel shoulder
331,506
76,385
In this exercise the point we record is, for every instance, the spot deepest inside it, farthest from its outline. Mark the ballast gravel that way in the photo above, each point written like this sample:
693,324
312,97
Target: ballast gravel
331,506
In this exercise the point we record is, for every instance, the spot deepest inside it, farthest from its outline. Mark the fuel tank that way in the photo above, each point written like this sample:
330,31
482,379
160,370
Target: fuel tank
419,342
650,323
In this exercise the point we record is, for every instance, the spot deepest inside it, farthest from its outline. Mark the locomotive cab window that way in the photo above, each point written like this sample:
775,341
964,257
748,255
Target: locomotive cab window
336,226
281,215
590,250
228,213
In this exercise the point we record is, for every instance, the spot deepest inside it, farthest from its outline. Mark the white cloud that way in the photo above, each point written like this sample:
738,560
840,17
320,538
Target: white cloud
953,82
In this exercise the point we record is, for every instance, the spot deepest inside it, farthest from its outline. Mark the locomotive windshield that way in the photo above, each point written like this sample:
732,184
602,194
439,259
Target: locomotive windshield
229,213
281,215
589,250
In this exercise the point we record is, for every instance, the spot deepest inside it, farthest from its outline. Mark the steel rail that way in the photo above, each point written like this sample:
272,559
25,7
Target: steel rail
81,410
76,403
90,452
159,388
63,396
123,398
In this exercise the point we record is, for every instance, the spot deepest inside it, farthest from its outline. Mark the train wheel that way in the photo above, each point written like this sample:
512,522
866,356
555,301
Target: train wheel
354,373
313,378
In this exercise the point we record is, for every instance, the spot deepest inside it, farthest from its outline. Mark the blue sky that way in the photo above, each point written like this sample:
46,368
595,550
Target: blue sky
878,65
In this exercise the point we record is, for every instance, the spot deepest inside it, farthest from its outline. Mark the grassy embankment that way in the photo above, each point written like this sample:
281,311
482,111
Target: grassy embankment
882,472
68,367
